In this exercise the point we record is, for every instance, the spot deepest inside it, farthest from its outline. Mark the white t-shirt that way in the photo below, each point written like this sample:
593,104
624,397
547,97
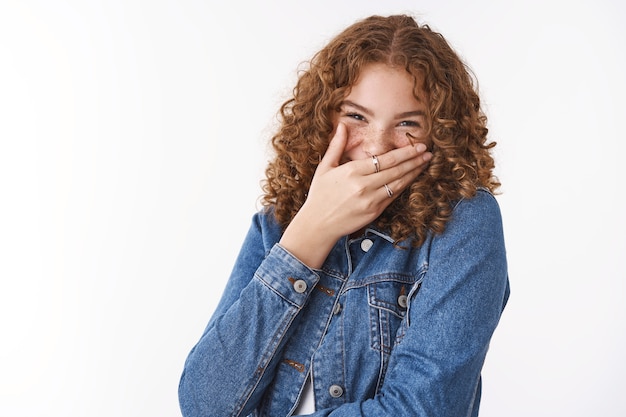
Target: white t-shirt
307,400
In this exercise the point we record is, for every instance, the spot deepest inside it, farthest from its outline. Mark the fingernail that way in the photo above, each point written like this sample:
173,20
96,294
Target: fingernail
427,156
420,147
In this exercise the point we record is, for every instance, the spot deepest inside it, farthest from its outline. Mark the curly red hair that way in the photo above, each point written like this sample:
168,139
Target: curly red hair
457,129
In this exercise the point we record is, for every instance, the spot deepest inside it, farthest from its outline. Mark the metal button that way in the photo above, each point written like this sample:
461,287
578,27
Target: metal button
402,301
366,244
335,391
337,308
300,286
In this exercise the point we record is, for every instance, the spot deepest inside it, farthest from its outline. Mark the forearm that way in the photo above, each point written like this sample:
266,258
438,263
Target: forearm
228,370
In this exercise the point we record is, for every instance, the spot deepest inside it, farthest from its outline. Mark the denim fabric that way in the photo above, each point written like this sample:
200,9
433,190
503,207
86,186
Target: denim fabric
384,331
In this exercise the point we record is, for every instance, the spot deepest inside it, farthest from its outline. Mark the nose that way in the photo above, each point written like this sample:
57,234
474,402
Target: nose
377,141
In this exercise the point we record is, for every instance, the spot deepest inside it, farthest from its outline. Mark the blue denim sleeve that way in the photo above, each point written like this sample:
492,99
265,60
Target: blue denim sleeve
435,369
227,371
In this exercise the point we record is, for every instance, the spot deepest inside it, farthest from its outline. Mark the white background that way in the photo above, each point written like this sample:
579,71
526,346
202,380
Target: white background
133,138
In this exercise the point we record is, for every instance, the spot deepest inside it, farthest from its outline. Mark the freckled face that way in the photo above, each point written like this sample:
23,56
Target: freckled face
379,112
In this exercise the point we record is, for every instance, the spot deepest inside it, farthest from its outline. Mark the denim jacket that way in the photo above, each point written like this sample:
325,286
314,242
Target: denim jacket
383,330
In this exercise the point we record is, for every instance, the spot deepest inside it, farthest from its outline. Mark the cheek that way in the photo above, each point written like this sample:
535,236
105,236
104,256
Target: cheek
355,137
418,138
354,144
401,139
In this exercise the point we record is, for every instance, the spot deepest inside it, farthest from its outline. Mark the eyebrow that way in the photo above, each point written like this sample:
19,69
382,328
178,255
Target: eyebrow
369,112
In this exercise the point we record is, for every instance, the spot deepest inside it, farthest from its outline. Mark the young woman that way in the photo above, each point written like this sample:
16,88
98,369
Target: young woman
374,277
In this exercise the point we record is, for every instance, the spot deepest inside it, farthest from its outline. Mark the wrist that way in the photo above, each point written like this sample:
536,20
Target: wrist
308,242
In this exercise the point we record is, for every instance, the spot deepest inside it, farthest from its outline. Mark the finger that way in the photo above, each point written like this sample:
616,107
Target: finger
388,191
409,168
336,147
400,155
392,182
402,178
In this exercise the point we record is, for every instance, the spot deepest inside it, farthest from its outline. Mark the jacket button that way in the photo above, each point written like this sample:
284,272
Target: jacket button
366,244
335,391
337,308
402,301
300,286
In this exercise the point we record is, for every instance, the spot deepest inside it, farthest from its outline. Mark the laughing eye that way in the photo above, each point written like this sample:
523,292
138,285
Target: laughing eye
409,123
355,116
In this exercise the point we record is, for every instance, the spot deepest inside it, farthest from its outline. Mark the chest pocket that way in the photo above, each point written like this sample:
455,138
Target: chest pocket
388,303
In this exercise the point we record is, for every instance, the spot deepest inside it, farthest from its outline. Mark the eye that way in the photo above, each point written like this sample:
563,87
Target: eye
409,123
355,116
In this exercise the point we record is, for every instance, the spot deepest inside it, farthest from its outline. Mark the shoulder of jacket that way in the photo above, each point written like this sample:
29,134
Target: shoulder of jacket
482,207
